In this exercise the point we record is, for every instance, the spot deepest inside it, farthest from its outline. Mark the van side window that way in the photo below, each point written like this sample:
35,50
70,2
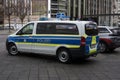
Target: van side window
45,28
56,28
40,28
66,29
28,29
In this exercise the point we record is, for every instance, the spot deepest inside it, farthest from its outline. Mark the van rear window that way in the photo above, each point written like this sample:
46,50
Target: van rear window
66,29
91,29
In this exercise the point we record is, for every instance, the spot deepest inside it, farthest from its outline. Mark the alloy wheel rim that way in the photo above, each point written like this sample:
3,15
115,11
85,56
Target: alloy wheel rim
63,56
13,50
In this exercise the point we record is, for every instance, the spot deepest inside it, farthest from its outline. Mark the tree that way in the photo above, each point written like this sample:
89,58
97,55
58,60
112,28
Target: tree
23,9
8,9
1,9
1,13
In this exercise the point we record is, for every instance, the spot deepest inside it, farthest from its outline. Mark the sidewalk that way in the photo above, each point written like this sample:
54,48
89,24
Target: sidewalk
6,32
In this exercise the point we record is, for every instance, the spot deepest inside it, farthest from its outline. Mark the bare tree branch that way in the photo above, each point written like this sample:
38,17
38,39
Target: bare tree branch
8,9
22,9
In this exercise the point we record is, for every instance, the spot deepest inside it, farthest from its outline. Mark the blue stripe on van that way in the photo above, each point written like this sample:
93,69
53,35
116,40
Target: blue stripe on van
45,36
97,39
88,42
51,39
60,41
87,49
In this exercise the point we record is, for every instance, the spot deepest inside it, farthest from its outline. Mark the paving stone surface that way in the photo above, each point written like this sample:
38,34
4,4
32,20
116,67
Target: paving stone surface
27,66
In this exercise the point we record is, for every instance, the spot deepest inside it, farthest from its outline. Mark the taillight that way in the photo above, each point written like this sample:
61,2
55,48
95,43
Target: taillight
82,41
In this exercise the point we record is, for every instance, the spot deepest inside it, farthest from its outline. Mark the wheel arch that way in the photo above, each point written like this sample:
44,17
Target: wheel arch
8,43
62,47
106,44
67,59
103,41
106,41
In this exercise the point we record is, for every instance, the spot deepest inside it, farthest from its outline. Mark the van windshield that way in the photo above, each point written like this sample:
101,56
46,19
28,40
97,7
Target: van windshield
91,29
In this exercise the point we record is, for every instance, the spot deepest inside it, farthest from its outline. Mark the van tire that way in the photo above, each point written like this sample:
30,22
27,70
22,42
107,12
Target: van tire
12,49
63,56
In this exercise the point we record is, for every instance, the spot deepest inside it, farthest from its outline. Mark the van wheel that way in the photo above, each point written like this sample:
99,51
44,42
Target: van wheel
63,56
12,49
102,47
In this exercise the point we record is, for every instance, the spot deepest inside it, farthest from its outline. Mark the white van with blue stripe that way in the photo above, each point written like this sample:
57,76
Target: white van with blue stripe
64,39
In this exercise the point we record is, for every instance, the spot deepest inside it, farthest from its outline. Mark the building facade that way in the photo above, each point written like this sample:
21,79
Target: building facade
36,9
104,12
1,12
74,9
40,7
98,10
58,6
95,10
116,10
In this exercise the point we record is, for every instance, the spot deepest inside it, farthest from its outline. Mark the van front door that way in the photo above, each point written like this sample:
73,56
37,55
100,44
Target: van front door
24,39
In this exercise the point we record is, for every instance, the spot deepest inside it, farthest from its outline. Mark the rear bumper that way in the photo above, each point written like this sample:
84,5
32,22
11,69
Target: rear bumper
80,52
114,45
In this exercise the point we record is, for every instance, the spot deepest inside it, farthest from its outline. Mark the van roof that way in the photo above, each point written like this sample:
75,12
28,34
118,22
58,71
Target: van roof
57,21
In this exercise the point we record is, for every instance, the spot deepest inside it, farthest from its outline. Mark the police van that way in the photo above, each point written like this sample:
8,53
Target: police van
64,39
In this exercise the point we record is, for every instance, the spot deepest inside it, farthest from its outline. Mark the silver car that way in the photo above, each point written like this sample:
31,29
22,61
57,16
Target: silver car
109,38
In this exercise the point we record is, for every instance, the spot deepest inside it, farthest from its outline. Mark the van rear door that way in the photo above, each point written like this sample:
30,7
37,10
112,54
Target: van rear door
91,31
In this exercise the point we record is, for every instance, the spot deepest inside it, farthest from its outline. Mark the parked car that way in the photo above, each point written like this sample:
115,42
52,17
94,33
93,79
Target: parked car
109,38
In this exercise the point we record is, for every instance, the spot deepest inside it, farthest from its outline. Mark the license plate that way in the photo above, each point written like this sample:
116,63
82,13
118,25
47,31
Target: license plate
93,46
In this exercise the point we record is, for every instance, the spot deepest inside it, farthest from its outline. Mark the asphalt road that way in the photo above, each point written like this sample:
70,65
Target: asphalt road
38,67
